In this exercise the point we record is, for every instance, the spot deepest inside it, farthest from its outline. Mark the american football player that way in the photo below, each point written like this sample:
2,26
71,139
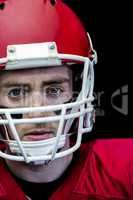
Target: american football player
46,95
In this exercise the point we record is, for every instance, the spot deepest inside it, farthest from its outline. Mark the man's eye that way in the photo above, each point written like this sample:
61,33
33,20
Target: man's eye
54,91
16,92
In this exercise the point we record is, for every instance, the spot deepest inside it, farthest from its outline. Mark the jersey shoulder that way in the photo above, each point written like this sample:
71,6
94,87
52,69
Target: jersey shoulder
107,172
121,149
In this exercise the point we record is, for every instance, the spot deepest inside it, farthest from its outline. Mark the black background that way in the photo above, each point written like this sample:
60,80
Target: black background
106,23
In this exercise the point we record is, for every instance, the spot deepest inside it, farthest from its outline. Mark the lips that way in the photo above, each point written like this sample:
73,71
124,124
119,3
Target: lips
38,135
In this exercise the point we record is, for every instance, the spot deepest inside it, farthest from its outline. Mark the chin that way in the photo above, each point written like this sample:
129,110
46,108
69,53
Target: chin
40,173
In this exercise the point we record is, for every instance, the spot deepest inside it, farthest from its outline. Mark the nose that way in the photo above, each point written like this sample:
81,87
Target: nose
37,99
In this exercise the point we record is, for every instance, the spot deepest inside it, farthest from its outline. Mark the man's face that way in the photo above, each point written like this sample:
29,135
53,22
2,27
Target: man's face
34,88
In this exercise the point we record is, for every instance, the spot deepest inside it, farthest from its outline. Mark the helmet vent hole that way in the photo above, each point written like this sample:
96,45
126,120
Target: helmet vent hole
53,2
2,6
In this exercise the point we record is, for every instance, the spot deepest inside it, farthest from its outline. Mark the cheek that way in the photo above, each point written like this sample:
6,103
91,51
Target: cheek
18,131
6,102
2,100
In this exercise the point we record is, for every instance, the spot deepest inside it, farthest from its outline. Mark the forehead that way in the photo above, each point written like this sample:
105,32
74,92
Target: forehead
46,73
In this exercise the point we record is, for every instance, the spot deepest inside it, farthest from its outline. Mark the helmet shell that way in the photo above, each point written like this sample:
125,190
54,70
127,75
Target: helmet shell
36,21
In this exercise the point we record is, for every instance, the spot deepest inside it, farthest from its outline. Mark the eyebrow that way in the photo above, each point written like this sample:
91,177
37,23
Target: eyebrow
20,83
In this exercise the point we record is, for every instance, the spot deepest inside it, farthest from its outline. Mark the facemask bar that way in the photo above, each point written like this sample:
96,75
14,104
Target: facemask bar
60,118
16,137
88,86
78,110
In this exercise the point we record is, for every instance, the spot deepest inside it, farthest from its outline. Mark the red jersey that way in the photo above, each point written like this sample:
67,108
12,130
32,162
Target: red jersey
103,171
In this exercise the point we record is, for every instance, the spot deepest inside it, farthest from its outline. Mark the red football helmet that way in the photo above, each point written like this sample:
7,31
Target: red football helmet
37,33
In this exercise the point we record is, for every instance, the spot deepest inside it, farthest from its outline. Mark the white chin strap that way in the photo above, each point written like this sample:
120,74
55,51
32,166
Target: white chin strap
37,148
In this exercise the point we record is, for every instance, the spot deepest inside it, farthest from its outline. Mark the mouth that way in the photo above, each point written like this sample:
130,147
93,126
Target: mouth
37,135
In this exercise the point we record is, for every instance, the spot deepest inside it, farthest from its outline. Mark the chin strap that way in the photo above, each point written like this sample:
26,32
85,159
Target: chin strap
36,148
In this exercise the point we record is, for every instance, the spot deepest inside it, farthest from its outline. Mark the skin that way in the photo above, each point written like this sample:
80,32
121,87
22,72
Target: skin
34,88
